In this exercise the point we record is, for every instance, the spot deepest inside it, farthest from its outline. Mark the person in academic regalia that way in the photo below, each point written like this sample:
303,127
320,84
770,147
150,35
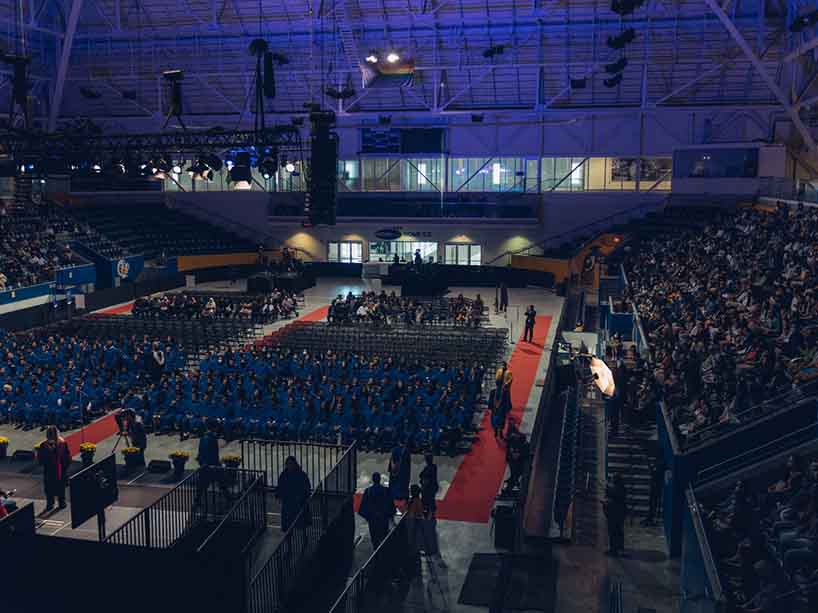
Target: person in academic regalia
400,472
55,458
293,492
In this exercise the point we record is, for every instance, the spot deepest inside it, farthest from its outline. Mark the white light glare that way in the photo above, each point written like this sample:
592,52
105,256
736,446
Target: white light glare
289,167
392,57
372,58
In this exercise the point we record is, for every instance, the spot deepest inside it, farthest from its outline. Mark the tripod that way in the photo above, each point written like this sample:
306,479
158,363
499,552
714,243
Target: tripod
429,546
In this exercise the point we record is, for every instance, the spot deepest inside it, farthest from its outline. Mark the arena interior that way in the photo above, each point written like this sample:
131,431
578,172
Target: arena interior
350,306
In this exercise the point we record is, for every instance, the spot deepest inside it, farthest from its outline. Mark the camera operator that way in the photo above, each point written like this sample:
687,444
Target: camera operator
132,428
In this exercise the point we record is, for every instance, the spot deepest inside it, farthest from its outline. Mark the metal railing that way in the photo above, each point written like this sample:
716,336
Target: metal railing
711,570
782,444
275,581
204,495
570,439
269,457
376,575
778,404
242,523
595,226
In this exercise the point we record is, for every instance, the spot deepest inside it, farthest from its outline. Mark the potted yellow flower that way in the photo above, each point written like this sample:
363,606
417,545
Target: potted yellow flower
179,459
133,458
4,447
87,451
231,461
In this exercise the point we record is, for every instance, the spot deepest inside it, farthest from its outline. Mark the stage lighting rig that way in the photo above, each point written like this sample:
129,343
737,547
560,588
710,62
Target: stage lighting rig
174,79
241,174
19,87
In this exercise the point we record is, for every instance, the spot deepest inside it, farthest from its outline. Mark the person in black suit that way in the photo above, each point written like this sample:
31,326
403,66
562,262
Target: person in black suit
503,298
530,320
378,509
137,434
55,458
293,491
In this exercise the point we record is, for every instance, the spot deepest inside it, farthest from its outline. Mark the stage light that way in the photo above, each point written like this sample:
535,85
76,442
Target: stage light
240,174
289,167
177,169
372,58
267,167
96,167
392,57
603,377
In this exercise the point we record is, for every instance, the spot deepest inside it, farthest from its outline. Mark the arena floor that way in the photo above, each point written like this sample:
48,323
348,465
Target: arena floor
469,483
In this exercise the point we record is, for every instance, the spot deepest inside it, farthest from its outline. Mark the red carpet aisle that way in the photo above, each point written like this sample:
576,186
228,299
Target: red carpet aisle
94,432
471,494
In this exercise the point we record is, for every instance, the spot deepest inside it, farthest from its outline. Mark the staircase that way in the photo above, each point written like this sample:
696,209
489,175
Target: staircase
629,454
343,20
588,511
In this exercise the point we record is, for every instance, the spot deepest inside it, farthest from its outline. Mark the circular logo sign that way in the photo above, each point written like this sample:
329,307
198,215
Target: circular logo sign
388,234
123,268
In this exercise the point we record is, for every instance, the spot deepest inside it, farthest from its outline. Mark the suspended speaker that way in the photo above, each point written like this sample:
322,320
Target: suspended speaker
269,76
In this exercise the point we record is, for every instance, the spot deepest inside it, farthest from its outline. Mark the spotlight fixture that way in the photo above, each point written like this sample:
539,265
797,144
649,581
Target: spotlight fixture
177,168
289,167
240,174
372,58
96,168
393,57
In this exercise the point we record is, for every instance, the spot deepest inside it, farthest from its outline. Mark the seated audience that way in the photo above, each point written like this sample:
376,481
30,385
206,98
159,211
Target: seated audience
390,309
731,314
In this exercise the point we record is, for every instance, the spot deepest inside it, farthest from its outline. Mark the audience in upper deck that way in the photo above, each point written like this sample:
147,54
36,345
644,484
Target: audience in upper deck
731,312
29,250
765,540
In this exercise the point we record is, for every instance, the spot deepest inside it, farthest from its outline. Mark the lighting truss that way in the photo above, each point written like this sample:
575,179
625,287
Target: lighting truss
66,145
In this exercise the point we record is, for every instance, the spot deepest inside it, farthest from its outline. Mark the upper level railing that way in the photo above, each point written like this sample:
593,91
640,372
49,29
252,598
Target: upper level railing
710,588
592,227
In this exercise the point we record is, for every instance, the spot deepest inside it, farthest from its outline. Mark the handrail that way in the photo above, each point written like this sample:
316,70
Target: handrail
563,233
703,435
757,454
359,582
710,568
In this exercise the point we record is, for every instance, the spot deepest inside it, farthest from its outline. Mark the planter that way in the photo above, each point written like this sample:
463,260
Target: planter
178,467
232,463
87,458
134,461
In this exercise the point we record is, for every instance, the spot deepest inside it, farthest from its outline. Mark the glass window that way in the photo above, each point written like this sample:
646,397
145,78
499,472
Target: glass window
531,183
462,254
563,174
349,177
381,175
656,174
715,163
422,174
404,249
348,252
488,174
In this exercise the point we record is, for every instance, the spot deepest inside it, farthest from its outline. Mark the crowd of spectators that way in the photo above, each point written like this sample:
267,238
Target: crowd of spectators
389,309
265,308
30,252
55,379
730,311
764,537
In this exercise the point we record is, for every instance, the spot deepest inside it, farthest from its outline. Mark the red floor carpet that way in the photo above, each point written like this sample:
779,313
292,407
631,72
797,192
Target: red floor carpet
94,432
471,495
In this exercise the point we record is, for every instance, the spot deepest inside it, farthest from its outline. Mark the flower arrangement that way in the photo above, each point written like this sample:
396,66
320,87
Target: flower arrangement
88,448
178,455
231,459
4,441
130,451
